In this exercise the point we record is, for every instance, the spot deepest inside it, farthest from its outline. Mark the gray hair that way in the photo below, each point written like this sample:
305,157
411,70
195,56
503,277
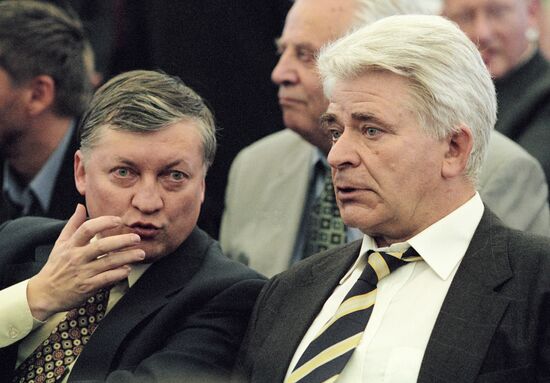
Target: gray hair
41,39
145,101
449,83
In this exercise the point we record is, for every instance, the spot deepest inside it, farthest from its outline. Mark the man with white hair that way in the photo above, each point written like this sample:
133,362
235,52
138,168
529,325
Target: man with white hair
439,289
270,218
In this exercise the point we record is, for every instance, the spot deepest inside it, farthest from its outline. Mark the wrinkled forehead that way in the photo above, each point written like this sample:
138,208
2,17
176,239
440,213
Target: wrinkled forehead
318,22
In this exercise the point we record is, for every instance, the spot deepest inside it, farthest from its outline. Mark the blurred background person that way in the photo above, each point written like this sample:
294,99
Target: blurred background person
46,64
505,32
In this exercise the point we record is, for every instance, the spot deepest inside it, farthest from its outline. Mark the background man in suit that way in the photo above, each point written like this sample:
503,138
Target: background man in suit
177,307
505,33
45,68
411,111
274,182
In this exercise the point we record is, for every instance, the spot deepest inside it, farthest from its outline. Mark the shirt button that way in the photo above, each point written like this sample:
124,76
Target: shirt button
13,332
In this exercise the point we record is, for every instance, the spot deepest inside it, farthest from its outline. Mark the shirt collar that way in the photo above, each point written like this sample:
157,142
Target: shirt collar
43,183
136,272
450,236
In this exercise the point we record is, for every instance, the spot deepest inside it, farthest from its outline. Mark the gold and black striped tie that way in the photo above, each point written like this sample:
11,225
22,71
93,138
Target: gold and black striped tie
325,357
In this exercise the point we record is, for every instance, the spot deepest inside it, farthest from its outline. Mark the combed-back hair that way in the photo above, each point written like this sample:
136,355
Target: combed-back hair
145,101
449,83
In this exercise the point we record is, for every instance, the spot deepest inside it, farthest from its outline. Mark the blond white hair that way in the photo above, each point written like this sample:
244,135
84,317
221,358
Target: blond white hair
449,83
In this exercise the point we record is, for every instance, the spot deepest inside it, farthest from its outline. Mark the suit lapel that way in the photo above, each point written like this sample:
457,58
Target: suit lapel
294,309
471,311
150,293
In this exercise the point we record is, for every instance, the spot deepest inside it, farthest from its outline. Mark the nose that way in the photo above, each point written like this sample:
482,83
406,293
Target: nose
147,196
481,31
344,152
284,73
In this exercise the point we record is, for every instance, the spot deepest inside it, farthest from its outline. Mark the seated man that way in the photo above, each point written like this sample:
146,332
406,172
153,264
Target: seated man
274,191
438,289
135,293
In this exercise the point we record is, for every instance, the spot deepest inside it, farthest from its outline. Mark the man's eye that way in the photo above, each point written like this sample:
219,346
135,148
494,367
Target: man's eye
177,175
122,172
305,55
463,18
335,134
371,132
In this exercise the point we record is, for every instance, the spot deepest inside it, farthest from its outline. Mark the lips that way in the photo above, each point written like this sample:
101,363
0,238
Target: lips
346,191
145,230
289,101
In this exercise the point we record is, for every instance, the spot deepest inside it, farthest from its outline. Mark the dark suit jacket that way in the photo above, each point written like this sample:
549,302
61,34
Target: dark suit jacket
183,320
494,325
64,195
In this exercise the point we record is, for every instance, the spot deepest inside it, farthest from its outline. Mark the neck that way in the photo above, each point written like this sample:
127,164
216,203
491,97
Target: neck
436,209
36,145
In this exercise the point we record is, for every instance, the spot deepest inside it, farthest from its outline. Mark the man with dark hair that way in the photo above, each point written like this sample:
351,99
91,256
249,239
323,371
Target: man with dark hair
135,293
45,68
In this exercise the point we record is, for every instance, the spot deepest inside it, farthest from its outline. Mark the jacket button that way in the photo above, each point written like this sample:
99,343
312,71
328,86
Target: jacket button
13,332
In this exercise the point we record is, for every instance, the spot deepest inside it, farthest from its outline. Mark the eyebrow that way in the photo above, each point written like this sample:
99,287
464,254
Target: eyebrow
133,164
280,44
327,119
369,117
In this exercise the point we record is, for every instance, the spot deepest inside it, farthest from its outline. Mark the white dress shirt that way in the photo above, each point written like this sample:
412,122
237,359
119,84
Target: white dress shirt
408,301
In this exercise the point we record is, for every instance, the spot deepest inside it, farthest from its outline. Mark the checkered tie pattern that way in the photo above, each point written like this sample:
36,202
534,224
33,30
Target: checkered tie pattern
325,228
326,356
48,362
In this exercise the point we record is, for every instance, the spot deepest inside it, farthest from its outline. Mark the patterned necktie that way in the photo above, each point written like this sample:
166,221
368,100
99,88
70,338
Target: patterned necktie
325,357
48,362
325,228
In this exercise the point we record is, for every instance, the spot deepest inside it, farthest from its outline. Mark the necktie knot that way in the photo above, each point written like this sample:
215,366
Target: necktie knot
380,264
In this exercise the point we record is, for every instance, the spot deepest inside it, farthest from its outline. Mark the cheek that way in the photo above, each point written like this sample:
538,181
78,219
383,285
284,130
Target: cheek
103,199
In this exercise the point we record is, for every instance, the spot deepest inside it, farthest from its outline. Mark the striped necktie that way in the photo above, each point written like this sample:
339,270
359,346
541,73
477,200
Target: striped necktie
48,363
325,357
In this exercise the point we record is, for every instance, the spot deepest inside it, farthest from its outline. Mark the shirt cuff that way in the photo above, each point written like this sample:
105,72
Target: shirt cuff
16,320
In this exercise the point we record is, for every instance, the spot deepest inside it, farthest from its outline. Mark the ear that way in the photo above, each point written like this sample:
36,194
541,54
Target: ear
80,172
460,145
42,94
203,187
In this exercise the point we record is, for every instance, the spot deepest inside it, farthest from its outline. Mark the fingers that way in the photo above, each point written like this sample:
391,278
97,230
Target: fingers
89,229
76,220
116,260
80,231
111,244
110,277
